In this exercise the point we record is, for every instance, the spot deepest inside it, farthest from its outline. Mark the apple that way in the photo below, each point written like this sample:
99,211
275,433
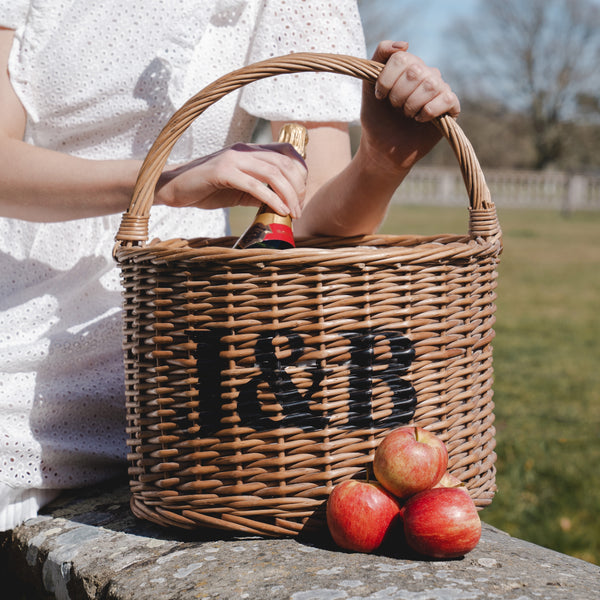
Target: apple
442,523
449,481
360,514
409,460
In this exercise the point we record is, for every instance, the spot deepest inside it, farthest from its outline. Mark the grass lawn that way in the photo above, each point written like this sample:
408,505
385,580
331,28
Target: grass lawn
547,371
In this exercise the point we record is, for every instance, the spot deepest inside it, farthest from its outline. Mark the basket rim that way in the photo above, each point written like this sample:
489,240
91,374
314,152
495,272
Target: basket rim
358,252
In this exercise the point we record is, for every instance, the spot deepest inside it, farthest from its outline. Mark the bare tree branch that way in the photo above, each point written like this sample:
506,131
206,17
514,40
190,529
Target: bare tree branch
537,56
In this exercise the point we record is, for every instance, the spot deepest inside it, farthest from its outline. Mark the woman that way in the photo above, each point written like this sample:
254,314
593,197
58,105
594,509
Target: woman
84,90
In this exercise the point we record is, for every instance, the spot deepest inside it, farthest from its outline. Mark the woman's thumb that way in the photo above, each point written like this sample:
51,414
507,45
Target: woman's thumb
386,48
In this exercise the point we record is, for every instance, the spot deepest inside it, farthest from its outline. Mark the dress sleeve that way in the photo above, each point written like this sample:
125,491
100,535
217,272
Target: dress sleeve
306,26
13,13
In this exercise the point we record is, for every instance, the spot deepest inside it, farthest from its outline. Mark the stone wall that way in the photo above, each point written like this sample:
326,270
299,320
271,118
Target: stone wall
89,546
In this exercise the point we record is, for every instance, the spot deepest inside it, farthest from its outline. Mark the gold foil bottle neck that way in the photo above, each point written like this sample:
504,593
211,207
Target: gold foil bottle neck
296,135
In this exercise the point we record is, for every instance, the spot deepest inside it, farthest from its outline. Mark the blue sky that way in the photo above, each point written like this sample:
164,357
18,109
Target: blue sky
426,30
422,24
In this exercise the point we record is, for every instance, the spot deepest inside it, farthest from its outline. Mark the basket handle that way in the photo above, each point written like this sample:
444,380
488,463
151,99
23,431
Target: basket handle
134,222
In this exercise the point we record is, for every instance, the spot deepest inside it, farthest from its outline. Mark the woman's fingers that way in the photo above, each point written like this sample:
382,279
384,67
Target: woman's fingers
277,177
279,194
396,71
412,86
446,102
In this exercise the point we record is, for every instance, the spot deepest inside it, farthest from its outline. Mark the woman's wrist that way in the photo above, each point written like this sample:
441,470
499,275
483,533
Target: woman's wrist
354,202
381,170
125,182
164,192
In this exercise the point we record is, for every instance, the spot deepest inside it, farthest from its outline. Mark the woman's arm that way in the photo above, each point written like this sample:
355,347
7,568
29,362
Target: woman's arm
37,184
395,134
42,185
344,196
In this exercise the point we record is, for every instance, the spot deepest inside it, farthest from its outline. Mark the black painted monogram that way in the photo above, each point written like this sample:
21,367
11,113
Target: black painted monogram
365,369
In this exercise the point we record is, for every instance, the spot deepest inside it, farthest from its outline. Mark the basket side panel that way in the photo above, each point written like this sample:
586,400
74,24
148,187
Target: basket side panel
252,392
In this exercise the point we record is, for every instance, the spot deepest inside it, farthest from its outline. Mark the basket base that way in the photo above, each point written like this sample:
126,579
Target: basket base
278,522
313,525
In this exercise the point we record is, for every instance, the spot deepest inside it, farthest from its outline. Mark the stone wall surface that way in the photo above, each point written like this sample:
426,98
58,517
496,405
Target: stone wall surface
89,546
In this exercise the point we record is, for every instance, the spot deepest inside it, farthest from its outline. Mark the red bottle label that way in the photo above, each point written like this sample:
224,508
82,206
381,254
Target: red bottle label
277,231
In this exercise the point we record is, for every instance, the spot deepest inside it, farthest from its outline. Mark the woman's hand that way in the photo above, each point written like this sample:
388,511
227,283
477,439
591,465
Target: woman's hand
396,112
240,175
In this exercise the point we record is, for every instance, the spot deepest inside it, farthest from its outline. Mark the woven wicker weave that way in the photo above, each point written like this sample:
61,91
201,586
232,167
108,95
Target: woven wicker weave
258,379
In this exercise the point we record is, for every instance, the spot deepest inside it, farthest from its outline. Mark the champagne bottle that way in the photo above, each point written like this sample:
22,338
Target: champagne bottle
269,229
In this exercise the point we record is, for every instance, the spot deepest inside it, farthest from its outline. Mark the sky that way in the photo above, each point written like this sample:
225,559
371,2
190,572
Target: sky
422,24
427,28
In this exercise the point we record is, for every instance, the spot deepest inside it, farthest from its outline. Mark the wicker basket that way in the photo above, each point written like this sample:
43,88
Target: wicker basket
258,379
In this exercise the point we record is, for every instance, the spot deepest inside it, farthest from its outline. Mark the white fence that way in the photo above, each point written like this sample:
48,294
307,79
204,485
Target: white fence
520,189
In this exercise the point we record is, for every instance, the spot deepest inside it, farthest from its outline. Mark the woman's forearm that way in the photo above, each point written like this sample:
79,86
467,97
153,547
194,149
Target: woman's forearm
353,202
37,184
42,185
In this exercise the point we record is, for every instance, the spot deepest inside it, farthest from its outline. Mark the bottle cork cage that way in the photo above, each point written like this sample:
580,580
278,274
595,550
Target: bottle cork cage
258,379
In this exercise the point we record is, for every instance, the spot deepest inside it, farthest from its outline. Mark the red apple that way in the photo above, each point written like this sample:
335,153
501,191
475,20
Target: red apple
409,460
449,481
360,514
442,523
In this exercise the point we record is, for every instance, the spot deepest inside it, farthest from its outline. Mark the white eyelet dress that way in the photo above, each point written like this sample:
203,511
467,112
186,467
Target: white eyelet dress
99,80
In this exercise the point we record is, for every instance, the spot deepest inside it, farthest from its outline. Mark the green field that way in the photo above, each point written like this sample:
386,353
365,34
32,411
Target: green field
547,371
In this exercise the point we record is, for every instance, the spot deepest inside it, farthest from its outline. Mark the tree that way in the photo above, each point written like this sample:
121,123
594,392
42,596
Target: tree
541,57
